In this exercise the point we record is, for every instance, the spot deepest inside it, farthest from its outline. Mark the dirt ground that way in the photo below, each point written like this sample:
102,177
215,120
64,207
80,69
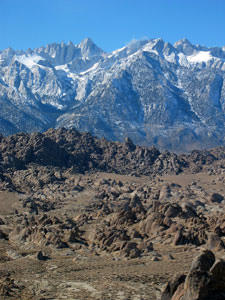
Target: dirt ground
74,275
78,274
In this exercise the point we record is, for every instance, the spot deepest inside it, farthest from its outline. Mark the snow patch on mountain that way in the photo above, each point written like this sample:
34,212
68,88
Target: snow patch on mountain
201,56
62,68
29,60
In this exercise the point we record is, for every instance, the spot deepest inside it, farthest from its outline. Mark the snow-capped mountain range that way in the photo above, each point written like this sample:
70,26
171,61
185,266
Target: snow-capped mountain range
154,92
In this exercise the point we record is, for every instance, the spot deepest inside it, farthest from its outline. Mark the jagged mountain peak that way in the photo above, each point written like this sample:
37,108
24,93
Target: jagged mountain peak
61,53
89,48
155,44
185,46
64,53
160,46
183,41
87,42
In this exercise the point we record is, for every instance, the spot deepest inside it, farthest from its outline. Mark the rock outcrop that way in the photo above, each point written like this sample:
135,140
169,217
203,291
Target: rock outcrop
204,281
81,152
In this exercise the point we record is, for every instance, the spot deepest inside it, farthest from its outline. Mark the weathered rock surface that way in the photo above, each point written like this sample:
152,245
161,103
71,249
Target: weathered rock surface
204,281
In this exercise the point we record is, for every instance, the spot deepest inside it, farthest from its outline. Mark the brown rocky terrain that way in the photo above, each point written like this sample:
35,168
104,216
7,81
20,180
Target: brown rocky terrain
84,218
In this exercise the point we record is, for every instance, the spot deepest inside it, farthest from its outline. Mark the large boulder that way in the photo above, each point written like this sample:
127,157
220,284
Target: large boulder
205,281
216,198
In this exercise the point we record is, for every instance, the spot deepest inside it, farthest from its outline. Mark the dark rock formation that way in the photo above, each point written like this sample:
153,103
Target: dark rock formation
82,152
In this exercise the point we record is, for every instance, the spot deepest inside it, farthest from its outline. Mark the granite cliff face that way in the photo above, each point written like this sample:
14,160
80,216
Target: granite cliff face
172,96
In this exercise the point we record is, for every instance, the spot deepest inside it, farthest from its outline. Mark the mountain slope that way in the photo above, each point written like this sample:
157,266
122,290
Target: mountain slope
172,96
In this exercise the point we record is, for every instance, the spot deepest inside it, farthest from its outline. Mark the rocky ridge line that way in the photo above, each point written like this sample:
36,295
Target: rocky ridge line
81,152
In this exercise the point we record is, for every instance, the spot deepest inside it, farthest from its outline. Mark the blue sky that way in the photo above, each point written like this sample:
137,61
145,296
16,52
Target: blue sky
110,23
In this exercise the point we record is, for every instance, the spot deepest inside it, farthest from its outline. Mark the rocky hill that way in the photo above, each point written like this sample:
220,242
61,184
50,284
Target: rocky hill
81,152
170,96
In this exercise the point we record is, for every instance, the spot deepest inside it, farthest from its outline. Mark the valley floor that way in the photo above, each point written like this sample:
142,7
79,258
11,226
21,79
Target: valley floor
68,239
